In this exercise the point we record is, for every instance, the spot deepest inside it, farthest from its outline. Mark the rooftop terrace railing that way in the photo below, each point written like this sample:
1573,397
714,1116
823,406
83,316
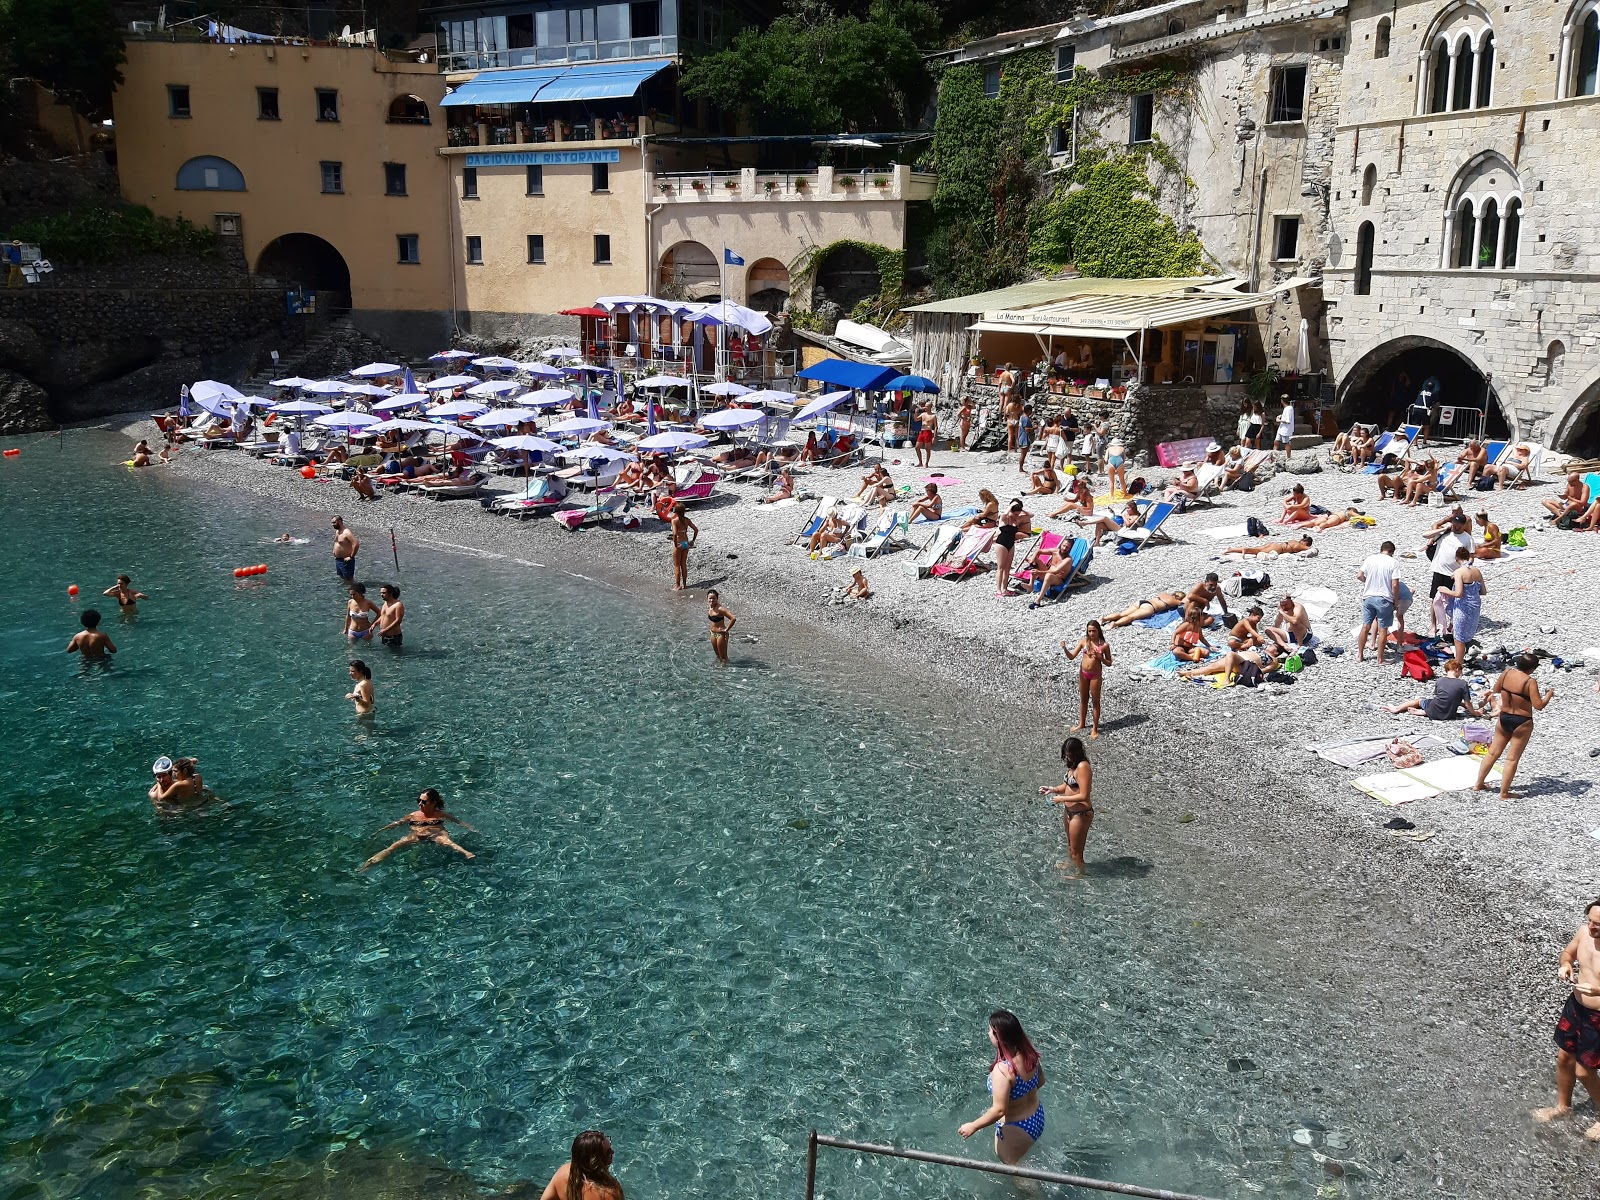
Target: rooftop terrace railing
665,46
967,1164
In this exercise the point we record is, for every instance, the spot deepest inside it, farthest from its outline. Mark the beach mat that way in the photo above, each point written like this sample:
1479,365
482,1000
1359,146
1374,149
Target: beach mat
1164,620
1425,781
1228,533
1169,664
956,514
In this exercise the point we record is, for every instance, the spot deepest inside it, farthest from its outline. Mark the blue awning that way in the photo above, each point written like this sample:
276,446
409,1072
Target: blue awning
862,376
503,87
589,81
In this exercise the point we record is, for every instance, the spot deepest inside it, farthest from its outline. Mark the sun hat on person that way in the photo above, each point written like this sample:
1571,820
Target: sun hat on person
162,766
1213,448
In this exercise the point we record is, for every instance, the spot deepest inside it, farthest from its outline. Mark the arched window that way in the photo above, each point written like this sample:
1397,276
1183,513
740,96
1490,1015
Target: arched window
1488,235
1380,39
408,110
1553,357
1466,233
1512,234
1456,62
1174,26
1483,224
1369,181
210,174
1364,240
1580,51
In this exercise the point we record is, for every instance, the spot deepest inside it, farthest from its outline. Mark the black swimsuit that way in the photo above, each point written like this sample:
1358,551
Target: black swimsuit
1006,537
1511,722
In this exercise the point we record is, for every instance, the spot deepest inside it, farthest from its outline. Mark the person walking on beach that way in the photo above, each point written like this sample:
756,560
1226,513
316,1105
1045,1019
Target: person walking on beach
1462,602
1519,697
90,642
1286,423
1577,1034
1076,792
1096,654
685,533
345,547
361,694
427,825
391,617
1015,1077
1378,600
127,599
722,622
587,1175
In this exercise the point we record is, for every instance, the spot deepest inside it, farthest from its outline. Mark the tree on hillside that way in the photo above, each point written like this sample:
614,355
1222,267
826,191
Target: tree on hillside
814,70
73,47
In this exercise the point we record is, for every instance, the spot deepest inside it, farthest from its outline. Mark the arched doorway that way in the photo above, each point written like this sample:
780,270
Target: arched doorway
408,110
848,275
305,260
689,271
1381,385
1577,431
767,285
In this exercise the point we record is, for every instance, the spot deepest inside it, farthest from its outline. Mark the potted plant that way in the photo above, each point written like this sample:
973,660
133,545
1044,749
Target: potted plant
663,187
731,185
699,185
770,186
801,185
880,182
848,181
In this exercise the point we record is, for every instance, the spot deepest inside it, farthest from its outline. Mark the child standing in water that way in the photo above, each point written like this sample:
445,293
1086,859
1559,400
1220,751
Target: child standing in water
427,825
361,695
1096,654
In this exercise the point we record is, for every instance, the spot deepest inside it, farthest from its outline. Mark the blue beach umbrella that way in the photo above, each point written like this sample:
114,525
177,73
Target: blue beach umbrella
911,383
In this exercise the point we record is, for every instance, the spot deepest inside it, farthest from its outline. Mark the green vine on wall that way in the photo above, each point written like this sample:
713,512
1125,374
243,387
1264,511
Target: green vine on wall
891,265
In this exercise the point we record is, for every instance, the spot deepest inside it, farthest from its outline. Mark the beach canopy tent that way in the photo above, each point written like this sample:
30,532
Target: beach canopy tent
674,441
544,85
863,377
373,370
582,426
450,382
822,404
733,418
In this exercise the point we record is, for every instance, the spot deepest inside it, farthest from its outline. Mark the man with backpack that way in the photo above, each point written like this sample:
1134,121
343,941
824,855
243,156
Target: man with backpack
1378,599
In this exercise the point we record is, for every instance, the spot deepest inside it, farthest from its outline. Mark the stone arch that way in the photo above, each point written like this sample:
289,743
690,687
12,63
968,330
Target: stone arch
1580,51
1455,63
847,275
409,110
307,261
1369,182
1380,38
1485,188
1554,358
208,173
1576,430
1371,388
689,271
1366,236
767,285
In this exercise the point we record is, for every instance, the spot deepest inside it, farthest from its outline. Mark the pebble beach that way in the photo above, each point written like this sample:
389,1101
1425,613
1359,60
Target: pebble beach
1230,765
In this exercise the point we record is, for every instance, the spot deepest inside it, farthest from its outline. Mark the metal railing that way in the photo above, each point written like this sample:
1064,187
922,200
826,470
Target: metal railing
950,1160
665,46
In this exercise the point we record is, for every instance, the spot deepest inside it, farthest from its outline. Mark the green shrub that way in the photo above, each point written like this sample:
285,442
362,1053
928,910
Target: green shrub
88,236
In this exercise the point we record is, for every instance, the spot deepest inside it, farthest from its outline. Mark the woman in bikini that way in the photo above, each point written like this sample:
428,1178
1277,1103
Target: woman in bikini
1015,1078
359,614
126,597
684,535
360,693
1113,523
1080,500
721,622
588,1175
427,825
1096,654
1016,521
1076,793
1159,603
1189,640
988,511
1519,698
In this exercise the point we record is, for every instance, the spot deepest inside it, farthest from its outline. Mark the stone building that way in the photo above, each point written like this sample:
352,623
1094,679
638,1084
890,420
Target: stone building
1463,214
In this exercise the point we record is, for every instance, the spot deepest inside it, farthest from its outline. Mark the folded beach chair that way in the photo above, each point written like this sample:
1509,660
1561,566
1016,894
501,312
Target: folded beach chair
934,550
819,514
1149,530
974,543
874,542
1033,562
1081,554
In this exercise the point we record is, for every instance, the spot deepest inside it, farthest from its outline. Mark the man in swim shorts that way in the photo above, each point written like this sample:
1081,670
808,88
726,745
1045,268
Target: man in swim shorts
90,642
345,547
1577,1034
391,616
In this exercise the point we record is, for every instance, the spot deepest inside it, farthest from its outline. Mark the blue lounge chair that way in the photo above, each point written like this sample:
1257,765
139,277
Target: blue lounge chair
1149,529
934,550
889,523
819,514
1080,556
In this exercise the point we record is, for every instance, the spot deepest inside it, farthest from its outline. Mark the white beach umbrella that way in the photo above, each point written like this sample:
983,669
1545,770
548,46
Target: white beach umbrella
497,363
526,441
402,425
546,398
662,381
822,404
733,418
450,382
294,381
726,389
301,408
495,387
582,426
457,408
373,370
405,400
346,420
541,370
561,352
326,387
447,355
503,418
367,389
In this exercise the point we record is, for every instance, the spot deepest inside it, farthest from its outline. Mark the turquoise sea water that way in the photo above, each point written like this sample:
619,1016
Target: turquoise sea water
711,908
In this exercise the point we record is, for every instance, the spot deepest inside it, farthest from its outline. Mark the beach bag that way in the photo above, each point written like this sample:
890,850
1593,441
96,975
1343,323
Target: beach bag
1253,583
1255,527
1477,733
1518,537
1294,664
1316,510
1565,520
1137,486
1403,754
1249,675
1484,483
1416,666
1127,546
1308,656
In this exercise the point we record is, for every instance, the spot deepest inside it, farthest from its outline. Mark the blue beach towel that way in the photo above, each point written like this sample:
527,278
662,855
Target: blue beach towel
956,514
1164,620
1169,664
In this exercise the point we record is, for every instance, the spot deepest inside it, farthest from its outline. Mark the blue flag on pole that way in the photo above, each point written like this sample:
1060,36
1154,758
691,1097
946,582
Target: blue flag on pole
732,259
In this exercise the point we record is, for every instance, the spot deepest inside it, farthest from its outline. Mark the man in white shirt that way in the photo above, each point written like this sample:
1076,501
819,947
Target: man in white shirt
1286,423
1458,537
1378,600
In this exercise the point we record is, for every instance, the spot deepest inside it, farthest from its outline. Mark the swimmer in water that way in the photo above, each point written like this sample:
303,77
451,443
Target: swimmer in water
427,825
359,614
127,598
95,646
141,454
176,782
361,695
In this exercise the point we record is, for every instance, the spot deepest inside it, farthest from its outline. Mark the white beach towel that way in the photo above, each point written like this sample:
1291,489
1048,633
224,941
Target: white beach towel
1423,782
1227,533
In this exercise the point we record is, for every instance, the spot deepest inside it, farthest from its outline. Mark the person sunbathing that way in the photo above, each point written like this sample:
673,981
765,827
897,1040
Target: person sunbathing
1424,479
1159,603
631,476
1491,540
1232,467
1080,500
1184,488
1521,456
624,411
1114,523
337,455
784,490
1297,545
930,507
1056,571
737,457
1291,626
874,479
1296,506
808,452
1232,662
454,477
1189,641
1333,520
1573,501
1475,457
988,513
1392,481
1044,482
834,530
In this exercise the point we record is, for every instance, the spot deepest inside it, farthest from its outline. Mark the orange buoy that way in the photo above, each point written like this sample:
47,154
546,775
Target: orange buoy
308,472
72,589
238,572
11,453
261,569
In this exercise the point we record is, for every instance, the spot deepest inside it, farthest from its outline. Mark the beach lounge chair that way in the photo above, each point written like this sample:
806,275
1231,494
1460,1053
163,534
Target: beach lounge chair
964,561
819,514
1449,478
1149,530
1530,470
469,488
934,550
542,495
1253,462
873,544
1034,561
601,512
1209,476
1081,555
